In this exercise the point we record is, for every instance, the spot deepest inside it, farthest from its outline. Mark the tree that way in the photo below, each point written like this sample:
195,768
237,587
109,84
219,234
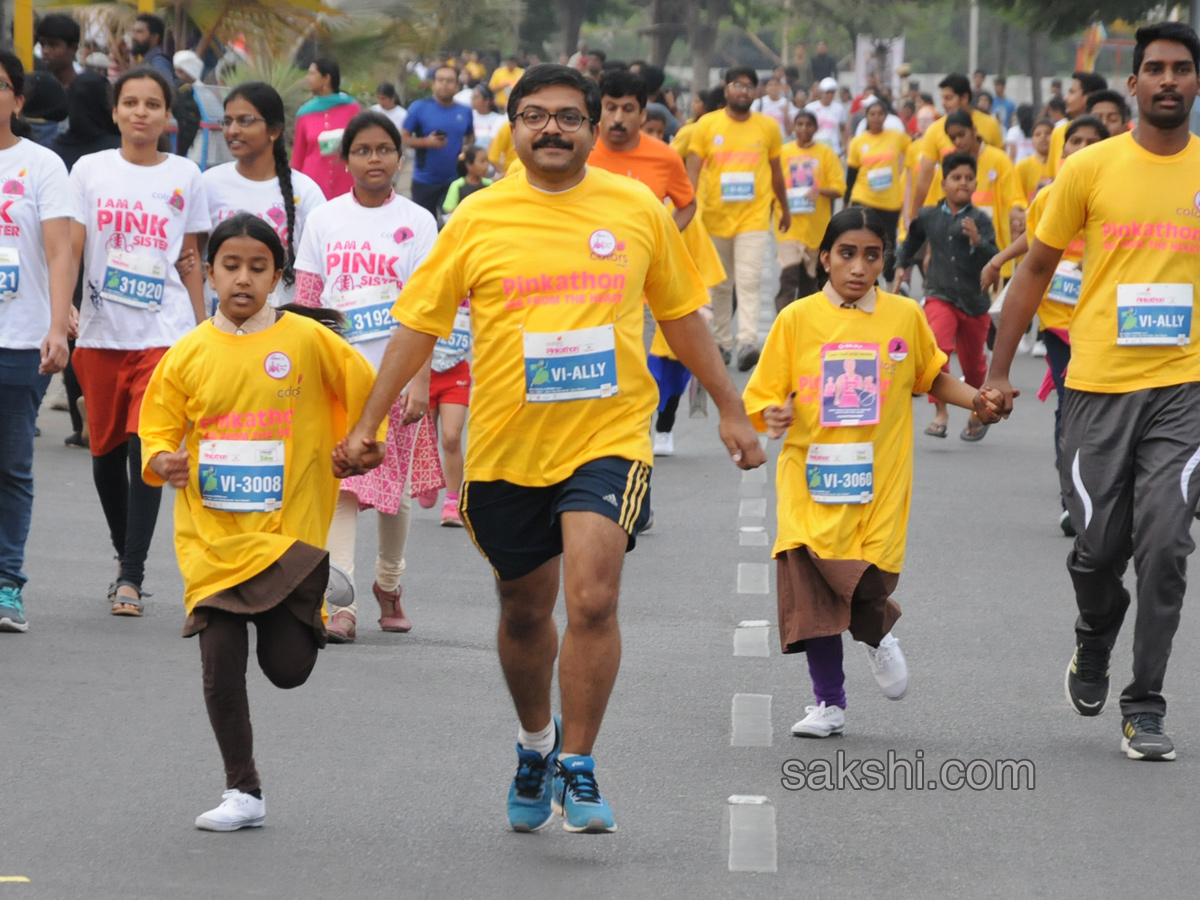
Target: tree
1060,18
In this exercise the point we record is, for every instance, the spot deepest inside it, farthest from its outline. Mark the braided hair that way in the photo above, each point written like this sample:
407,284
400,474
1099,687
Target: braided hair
269,104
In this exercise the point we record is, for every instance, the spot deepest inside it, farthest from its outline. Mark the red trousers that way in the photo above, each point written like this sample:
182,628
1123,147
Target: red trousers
954,331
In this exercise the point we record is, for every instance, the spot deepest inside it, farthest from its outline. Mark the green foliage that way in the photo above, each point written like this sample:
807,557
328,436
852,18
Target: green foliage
1060,18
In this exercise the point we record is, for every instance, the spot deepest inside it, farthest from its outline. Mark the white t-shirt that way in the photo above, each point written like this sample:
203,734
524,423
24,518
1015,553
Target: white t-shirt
366,256
136,218
229,193
1015,137
781,110
33,189
396,114
829,121
891,122
486,126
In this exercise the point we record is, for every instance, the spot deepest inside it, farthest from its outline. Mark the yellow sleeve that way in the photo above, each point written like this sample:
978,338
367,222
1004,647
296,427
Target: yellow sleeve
774,139
989,130
163,420
854,154
1066,208
698,142
673,286
833,165
1036,207
927,358
772,380
1058,139
929,143
500,147
430,299
683,140
902,148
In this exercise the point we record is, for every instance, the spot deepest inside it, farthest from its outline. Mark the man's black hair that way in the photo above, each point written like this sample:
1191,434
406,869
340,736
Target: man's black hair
1090,81
154,25
624,83
547,75
1057,103
1165,31
953,160
958,83
1108,96
731,75
58,26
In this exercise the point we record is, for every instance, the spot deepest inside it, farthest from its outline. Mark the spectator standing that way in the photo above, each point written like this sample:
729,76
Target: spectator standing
59,36
188,69
823,65
1002,108
149,34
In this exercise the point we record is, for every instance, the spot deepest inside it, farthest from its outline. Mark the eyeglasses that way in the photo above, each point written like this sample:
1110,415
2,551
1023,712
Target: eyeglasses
384,152
741,85
242,121
568,119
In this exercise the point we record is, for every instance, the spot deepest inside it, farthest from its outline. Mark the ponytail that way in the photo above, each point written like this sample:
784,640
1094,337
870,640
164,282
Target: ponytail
284,172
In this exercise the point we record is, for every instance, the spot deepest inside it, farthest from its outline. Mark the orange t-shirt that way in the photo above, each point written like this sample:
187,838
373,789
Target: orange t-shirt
653,163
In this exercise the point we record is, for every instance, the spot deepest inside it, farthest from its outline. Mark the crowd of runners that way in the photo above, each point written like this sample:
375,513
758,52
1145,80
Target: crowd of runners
287,341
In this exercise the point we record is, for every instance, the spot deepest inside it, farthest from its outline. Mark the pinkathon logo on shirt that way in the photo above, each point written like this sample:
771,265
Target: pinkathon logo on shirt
1152,235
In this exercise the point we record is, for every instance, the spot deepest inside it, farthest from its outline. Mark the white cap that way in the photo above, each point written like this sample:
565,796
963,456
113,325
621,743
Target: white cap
828,84
189,63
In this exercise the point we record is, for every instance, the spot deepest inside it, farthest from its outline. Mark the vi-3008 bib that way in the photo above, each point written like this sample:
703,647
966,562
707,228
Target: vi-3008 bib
242,476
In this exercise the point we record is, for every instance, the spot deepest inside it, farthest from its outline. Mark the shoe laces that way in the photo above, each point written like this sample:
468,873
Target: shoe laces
1146,723
10,595
1091,664
822,711
581,785
531,773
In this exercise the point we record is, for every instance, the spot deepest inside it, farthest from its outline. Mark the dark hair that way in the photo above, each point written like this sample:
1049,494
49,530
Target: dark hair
327,66
1090,81
269,104
453,68
735,72
486,93
385,89
1087,122
958,83
655,77
138,73
853,218
999,79
614,65
983,94
1025,119
714,99
330,318
953,160
470,152
1044,120
154,25
16,75
1108,96
624,83
656,115
1057,103
549,74
250,225
1056,82
58,26
805,114
1165,31
598,54
361,123
961,118
980,72
791,73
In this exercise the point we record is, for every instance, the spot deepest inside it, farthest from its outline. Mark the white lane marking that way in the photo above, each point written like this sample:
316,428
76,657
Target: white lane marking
752,837
1082,491
754,539
750,638
751,721
755,476
752,578
754,508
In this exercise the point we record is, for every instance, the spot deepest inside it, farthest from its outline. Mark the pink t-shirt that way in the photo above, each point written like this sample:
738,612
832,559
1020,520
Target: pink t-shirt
317,149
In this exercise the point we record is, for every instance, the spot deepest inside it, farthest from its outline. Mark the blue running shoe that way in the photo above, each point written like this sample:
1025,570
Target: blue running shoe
529,796
577,797
12,610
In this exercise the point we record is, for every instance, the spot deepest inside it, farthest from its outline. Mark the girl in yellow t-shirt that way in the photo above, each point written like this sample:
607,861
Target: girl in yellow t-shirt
836,380
241,416
875,164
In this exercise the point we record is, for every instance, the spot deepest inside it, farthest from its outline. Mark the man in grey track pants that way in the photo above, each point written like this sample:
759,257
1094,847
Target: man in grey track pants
1130,440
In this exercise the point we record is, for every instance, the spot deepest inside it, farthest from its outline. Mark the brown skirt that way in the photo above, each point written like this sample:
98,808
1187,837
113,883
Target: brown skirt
822,597
297,579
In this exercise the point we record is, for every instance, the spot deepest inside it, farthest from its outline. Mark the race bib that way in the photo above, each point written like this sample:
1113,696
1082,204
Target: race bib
134,281
368,312
10,274
242,476
329,143
570,365
1154,315
879,179
799,201
1064,286
459,341
840,473
737,187
850,379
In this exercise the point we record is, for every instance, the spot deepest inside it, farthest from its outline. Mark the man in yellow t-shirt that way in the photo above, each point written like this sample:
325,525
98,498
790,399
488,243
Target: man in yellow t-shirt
1130,433
813,178
736,153
503,79
556,261
1082,86
956,94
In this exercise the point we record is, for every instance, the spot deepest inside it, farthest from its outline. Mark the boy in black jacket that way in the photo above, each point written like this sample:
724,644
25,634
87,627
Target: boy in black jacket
961,241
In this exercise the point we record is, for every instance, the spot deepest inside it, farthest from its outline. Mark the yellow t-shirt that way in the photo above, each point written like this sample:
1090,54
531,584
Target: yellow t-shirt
737,174
1034,174
501,152
708,264
895,356
502,79
1052,313
997,191
683,140
937,144
556,284
1058,139
291,389
803,167
1141,232
880,159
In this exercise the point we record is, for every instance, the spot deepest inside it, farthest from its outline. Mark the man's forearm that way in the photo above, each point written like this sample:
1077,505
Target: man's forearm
1021,302
692,342
407,353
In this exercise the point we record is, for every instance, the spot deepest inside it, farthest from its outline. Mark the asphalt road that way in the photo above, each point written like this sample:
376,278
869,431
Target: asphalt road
385,775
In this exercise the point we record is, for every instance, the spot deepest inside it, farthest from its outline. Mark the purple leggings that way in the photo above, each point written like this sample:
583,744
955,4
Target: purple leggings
825,667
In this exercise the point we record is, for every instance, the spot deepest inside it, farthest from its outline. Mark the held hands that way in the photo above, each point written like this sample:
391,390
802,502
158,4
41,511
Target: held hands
994,402
355,454
780,418
171,467
971,230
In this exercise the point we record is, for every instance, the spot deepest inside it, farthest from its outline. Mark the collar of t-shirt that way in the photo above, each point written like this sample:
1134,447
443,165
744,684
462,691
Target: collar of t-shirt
391,197
866,302
260,321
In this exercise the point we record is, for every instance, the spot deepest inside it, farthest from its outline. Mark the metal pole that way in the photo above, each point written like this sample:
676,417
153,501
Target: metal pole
973,39
23,31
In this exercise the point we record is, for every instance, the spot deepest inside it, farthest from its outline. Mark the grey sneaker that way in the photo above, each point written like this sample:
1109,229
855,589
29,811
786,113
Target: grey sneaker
1087,680
1142,737
747,357
12,610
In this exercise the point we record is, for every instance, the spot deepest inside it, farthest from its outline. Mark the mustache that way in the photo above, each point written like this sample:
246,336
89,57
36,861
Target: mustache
553,140
1168,95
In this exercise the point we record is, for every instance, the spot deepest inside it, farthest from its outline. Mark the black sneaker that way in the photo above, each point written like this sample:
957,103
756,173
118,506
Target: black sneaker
1142,737
1065,523
727,357
1087,680
747,357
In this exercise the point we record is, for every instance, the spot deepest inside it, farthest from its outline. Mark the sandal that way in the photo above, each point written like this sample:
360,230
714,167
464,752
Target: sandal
936,429
126,606
974,432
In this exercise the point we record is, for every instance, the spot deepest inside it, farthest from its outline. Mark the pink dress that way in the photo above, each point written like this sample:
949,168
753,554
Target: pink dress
326,169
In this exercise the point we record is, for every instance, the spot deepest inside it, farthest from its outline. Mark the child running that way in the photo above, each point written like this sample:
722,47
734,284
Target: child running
844,477
472,170
258,398
449,397
357,252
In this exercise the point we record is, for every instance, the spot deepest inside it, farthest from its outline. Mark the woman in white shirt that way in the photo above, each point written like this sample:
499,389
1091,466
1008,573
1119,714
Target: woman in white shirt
36,280
485,118
259,180
358,251
136,211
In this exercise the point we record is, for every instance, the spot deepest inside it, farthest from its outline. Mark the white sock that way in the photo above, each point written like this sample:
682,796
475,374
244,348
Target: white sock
541,741
566,756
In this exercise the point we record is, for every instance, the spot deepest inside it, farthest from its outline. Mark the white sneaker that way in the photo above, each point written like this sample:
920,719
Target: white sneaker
664,443
237,810
1039,349
821,721
889,666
